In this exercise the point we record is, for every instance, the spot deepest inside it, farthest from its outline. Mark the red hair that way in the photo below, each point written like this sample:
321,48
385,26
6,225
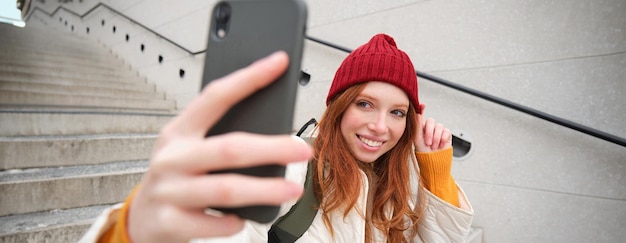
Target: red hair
338,180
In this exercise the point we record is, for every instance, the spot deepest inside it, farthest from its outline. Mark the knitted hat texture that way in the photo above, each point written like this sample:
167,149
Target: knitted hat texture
377,60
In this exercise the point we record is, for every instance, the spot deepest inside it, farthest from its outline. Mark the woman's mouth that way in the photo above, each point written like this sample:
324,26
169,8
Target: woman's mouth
369,142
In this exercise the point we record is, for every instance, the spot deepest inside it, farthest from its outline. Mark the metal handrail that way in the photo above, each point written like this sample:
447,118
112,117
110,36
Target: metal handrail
524,109
118,13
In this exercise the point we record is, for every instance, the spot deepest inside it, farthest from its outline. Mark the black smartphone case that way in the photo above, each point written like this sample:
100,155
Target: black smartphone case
253,30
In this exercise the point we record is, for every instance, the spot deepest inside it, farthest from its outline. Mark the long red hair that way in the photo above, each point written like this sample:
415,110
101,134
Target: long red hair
338,180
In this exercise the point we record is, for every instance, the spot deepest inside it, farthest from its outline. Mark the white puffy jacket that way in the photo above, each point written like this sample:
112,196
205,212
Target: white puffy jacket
441,222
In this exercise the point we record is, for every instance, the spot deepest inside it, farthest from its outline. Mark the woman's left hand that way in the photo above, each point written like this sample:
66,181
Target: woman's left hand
431,136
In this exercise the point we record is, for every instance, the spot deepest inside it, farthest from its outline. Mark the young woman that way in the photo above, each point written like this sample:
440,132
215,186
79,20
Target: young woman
381,172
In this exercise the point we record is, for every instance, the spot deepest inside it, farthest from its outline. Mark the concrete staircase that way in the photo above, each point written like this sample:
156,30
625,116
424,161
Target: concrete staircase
77,126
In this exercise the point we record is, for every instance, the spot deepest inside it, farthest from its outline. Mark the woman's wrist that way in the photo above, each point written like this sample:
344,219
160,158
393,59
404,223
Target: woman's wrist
119,231
435,168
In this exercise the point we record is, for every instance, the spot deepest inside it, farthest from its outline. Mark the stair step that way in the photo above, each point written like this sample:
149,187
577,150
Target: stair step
45,123
63,89
71,50
77,49
52,151
134,83
7,108
45,79
31,38
57,47
51,226
32,32
22,55
47,61
21,98
71,72
43,189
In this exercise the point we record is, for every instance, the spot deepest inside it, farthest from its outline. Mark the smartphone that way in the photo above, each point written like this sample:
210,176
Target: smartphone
241,32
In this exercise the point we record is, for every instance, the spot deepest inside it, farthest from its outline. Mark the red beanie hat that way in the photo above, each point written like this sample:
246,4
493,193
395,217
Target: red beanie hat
377,60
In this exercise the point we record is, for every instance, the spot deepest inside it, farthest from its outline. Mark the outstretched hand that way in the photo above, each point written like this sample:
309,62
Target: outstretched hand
431,136
173,195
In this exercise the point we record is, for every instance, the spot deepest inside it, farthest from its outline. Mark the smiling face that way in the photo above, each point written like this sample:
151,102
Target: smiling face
375,120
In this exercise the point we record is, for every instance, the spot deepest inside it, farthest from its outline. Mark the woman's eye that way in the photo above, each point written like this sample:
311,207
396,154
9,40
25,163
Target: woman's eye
363,104
399,113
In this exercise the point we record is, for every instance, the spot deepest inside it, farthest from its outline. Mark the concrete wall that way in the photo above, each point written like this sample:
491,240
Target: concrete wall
528,180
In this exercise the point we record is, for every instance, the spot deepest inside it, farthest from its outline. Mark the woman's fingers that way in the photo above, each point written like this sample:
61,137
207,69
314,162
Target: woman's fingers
429,131
446,141
432,136
437,131
182,169
229,151
227,190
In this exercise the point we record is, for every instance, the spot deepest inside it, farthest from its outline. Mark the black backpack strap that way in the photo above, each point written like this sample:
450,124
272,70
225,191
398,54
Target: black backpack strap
305,126
292,225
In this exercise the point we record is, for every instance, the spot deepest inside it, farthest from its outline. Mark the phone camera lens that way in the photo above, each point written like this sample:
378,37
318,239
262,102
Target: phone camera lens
223,13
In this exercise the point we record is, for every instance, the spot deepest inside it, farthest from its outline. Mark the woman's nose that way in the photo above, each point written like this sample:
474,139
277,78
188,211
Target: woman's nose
378,123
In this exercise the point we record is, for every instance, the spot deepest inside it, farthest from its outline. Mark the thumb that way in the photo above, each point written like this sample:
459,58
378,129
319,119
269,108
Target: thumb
418,141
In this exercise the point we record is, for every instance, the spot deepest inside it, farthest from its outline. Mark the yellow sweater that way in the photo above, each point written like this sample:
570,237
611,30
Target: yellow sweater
435,170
